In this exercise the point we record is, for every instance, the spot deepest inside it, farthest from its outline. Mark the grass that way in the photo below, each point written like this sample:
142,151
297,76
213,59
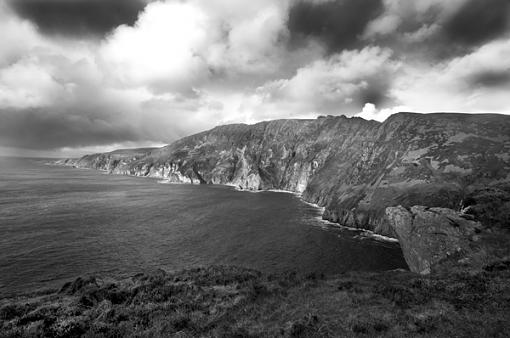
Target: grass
223,301
491,205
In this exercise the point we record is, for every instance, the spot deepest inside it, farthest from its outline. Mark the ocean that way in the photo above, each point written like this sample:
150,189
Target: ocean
59,223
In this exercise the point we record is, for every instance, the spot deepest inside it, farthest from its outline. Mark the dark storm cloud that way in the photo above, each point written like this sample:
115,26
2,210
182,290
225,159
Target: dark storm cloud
439,31
490,79
78,17
475,23
337,23
478,21
150,82
40,129
376,93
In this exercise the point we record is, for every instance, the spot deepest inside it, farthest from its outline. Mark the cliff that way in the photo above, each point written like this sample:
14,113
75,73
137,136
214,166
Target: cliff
353,167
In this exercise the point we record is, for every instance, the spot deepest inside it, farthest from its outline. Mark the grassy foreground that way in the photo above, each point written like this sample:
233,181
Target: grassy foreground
237,302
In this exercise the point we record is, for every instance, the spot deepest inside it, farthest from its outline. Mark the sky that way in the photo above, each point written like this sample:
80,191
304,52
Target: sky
83,76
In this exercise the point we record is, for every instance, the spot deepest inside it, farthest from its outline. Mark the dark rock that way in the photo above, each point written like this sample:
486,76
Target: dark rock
498,266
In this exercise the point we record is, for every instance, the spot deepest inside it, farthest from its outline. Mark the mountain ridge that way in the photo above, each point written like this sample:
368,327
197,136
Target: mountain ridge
353,167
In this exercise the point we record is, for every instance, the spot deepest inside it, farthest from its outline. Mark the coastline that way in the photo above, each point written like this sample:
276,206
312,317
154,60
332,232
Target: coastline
363,232
229,301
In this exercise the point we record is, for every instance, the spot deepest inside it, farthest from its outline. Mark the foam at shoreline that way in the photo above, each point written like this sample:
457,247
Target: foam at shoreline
363,232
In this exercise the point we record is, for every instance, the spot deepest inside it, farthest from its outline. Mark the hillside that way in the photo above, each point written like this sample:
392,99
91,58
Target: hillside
237,302
353,167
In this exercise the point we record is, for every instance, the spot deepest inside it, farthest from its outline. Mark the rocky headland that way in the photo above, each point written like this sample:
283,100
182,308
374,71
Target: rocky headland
352,167
438,182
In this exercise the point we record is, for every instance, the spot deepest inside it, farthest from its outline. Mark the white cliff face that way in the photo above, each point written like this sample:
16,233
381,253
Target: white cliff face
250,182
171,173
302,173
245,177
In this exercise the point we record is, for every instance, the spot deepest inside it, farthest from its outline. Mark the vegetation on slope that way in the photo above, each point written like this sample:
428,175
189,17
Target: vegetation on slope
490,205
236,302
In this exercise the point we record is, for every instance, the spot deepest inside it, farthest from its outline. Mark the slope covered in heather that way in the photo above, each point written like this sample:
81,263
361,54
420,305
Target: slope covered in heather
236,302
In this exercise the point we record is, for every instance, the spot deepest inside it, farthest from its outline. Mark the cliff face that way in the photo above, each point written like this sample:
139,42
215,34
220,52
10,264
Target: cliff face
110,162
353,167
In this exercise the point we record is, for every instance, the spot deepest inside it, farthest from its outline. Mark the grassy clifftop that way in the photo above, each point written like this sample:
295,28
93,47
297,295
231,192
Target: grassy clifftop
237,302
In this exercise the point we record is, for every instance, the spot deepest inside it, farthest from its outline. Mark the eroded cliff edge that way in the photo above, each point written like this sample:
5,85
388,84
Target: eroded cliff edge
353,167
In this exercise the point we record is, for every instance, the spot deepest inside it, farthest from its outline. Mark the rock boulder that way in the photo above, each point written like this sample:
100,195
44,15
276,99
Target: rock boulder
431,236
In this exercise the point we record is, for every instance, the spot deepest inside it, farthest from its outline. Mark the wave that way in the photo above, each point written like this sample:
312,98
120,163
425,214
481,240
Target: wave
363,233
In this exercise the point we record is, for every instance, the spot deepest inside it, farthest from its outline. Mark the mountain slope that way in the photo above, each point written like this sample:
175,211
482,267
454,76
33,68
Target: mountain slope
353,167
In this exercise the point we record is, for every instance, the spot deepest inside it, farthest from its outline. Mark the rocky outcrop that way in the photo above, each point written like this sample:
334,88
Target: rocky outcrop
352,167
431,236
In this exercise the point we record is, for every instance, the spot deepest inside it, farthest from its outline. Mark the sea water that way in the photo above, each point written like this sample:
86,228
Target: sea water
58,223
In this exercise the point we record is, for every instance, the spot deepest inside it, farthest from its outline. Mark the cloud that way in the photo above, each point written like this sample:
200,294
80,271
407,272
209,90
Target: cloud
25,84
251,45
490,78
438,29
370,112
478,21
181,45
19,37
151,82
43,129
78,17
410,17
336,23
342,83
179,67
160,50
471,83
